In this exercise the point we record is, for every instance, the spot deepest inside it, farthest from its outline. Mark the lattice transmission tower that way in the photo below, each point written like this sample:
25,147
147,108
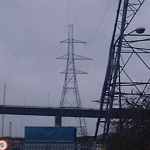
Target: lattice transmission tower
127,79
70,97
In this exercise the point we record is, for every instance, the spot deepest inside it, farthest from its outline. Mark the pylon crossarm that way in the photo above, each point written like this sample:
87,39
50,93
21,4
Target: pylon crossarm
76,57
72,41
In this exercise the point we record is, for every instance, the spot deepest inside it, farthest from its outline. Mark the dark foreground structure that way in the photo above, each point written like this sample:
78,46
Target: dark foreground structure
124,84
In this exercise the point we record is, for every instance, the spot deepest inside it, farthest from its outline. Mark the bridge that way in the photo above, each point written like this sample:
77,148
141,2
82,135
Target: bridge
67,112
49,111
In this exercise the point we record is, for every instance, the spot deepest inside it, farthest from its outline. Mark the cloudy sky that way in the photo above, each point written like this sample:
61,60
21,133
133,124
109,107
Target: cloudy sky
30,35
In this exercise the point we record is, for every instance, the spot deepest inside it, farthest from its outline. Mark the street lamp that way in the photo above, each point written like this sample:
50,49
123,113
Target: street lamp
140,30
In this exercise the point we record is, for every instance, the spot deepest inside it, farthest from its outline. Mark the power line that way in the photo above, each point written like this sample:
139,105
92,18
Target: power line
78,13
67,16
100,22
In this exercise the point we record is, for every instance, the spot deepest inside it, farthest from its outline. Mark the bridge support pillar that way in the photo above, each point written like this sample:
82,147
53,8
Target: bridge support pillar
57,121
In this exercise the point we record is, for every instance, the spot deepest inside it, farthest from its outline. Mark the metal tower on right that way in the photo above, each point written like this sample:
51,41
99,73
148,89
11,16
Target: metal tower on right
127,78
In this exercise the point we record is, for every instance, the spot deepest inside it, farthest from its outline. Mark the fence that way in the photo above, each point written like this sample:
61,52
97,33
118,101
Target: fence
47,145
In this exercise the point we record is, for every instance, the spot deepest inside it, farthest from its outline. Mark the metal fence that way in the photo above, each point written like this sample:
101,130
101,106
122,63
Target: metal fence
47,145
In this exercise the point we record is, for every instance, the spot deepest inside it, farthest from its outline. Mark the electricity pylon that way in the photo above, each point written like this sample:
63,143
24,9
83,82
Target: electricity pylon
127,75
70,97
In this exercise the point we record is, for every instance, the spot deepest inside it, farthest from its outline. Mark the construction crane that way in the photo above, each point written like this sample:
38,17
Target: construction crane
121,84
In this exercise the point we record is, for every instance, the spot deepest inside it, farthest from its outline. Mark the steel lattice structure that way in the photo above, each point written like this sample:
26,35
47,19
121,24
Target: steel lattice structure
70,95
125,83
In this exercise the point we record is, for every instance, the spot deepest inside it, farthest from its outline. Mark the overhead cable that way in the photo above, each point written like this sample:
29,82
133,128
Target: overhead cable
100,22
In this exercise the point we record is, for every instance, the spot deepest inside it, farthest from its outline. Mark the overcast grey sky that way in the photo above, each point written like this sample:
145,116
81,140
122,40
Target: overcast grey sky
30,35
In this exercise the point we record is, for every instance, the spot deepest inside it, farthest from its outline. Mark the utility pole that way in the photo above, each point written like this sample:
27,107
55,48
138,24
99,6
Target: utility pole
3,110
70,97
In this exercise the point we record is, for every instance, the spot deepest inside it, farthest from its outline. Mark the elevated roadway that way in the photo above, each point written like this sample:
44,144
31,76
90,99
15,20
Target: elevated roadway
48,111
69,112
64,112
